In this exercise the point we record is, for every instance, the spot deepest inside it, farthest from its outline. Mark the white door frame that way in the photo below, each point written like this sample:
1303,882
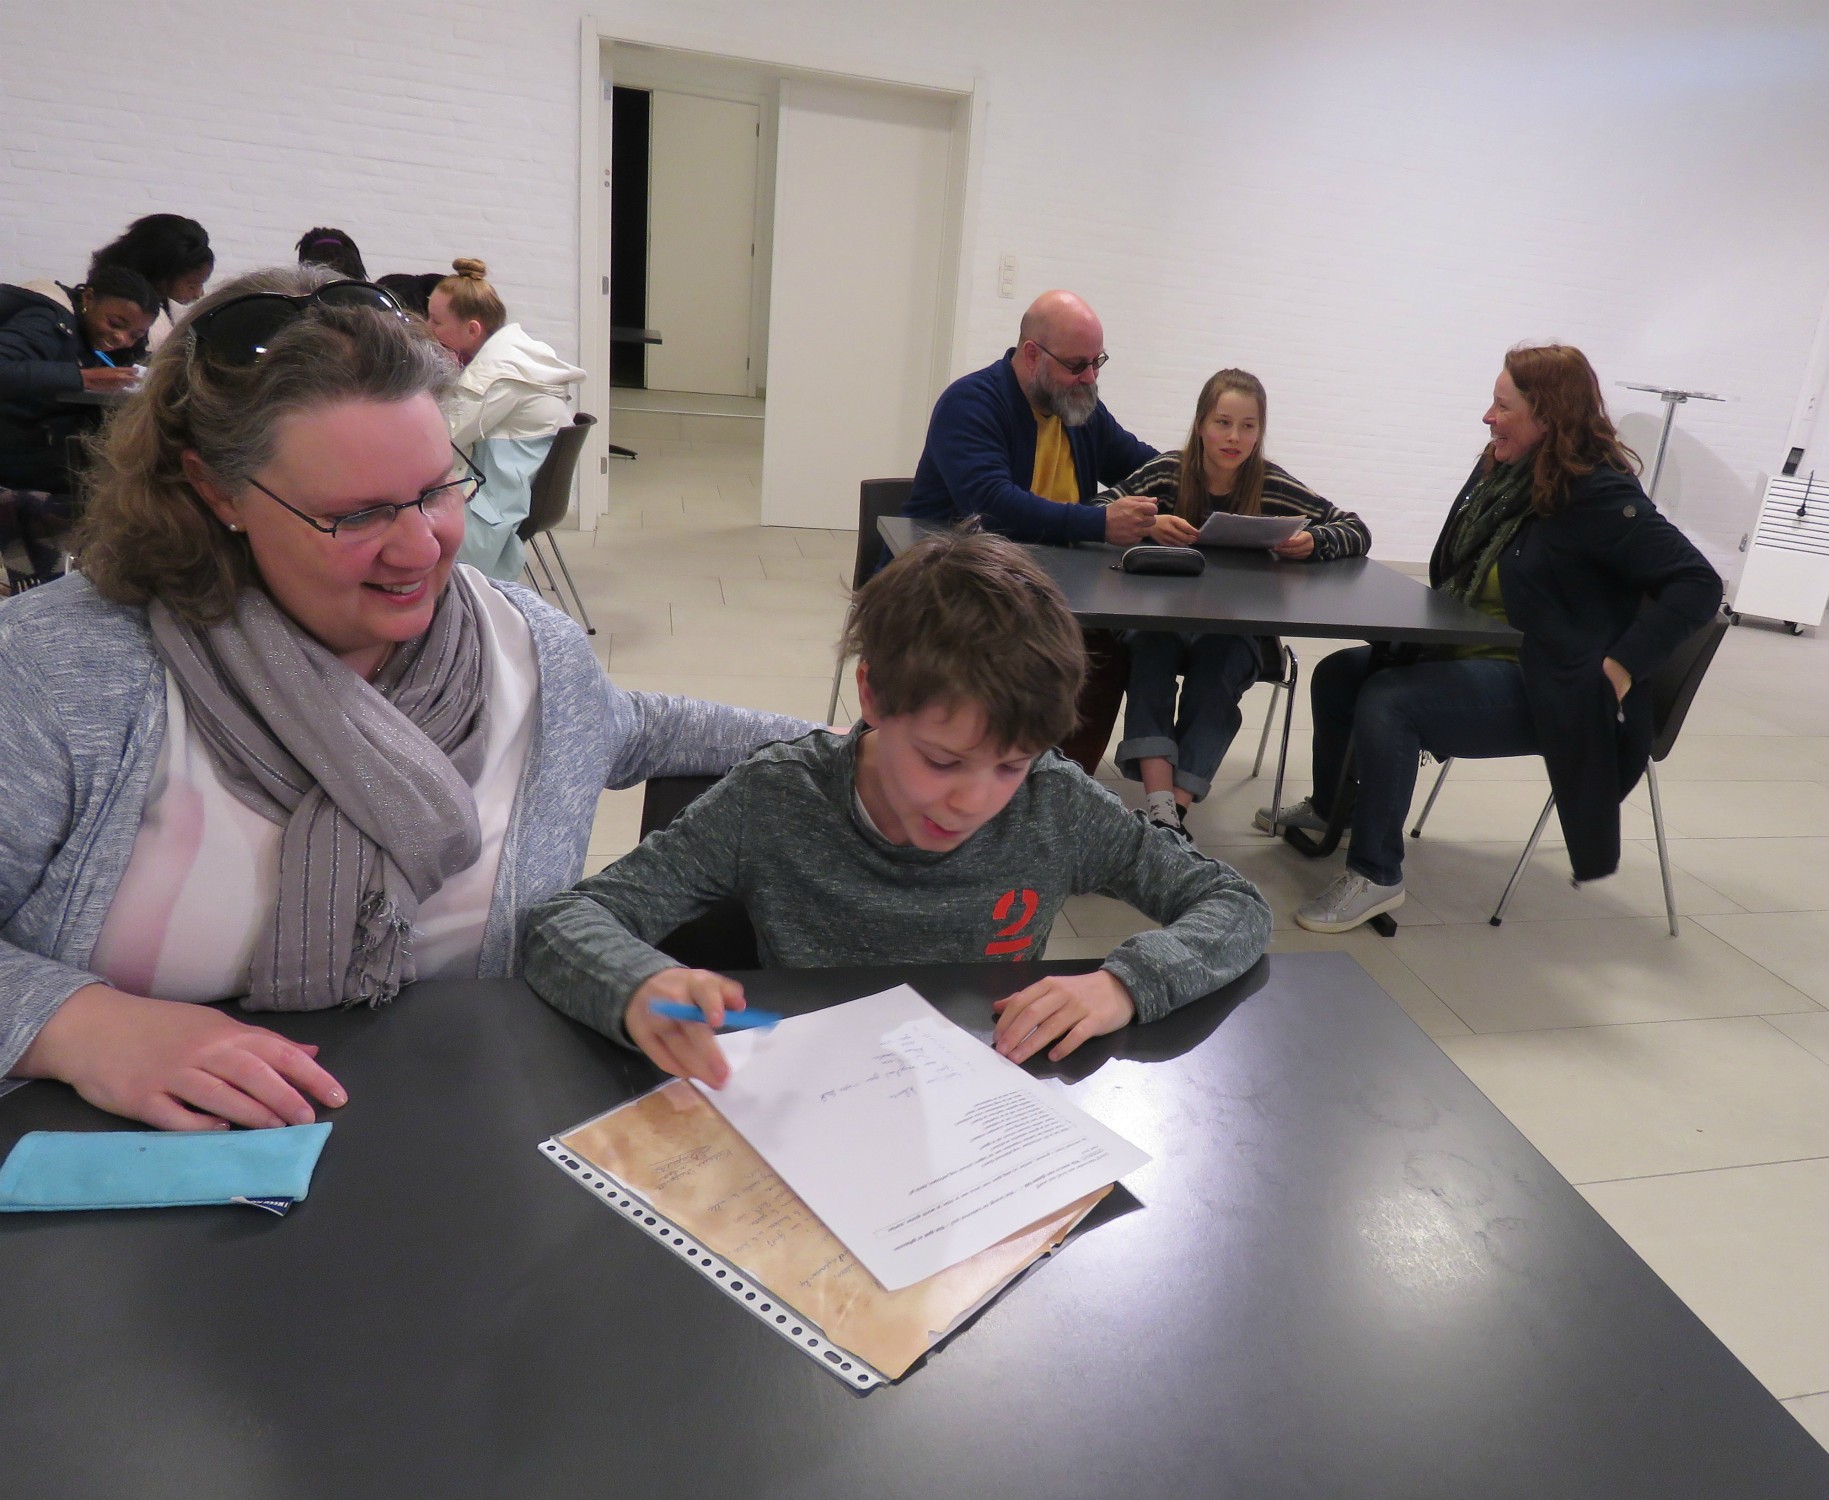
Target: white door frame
593,211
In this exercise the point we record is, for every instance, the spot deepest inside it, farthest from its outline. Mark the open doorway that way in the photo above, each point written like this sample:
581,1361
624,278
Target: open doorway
782,251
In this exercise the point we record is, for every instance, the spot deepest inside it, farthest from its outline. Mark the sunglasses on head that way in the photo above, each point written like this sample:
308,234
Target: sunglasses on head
237,333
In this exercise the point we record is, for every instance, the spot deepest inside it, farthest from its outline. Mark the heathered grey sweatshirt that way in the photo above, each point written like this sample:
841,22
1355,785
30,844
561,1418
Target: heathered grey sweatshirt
782,833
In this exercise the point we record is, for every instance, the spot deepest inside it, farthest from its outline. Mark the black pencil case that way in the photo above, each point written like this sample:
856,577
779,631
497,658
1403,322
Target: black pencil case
1185,562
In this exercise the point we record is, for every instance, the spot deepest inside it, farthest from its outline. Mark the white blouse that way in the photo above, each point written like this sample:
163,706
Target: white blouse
204,873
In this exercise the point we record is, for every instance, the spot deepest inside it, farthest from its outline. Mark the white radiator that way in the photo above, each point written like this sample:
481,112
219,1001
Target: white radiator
1786,576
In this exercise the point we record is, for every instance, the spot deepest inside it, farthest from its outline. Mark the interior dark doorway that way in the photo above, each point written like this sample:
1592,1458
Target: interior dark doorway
630,123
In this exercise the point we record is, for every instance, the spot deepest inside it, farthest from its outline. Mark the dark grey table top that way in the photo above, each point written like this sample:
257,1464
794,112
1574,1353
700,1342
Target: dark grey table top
1253,593
1344,1274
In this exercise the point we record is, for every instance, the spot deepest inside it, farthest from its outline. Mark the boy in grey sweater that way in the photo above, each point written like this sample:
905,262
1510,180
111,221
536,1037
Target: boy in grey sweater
937,831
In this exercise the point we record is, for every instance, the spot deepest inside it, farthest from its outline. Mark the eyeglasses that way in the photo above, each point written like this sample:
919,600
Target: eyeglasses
236,334
366,525
1074,366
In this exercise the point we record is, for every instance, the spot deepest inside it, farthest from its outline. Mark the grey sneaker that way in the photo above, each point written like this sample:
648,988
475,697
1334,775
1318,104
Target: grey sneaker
1350,900
1296,815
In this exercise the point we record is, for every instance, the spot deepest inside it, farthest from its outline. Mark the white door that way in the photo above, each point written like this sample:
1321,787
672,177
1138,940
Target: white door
701,242
858,298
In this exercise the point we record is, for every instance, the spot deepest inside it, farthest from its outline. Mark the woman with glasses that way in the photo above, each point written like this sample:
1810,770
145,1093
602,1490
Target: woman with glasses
1175,747
272,743
514,393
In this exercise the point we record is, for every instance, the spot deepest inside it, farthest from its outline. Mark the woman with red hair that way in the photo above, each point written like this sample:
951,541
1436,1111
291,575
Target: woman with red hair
1552,532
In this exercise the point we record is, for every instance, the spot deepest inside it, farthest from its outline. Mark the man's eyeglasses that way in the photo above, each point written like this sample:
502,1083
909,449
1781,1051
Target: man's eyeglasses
237,333
366,525
1074,366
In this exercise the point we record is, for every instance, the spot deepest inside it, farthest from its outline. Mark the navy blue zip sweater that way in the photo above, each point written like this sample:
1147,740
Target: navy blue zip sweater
980,456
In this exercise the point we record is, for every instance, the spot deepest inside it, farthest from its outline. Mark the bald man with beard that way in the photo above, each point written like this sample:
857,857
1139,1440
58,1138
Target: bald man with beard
1025,445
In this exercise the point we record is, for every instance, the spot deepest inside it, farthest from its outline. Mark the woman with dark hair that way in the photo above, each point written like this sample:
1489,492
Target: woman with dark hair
57,341
1553,533
1175,749
271,743
333,248
170,251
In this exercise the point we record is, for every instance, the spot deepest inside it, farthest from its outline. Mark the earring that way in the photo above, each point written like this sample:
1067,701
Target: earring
233,526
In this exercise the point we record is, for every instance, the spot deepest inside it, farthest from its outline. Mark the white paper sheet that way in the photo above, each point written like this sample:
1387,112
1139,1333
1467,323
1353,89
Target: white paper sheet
916,1143
1223,529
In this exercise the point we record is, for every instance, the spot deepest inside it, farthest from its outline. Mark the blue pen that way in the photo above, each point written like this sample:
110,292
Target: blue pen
105,360
736,1020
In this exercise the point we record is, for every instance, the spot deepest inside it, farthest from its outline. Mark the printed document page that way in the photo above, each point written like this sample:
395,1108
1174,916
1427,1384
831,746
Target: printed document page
914,1142
1223,529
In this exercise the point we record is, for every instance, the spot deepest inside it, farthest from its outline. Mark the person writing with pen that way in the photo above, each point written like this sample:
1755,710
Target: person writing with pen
941,829
57,341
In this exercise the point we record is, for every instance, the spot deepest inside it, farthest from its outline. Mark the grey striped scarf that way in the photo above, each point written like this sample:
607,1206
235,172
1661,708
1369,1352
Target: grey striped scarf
370,783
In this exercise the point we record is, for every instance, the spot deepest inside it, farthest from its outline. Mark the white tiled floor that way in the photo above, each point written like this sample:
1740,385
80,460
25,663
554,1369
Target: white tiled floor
1683,1083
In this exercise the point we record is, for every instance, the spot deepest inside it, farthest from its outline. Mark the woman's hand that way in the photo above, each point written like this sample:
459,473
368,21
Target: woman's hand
686,1049
177,1066
103,378
1618,676
1173,530
1297,548
1071,1007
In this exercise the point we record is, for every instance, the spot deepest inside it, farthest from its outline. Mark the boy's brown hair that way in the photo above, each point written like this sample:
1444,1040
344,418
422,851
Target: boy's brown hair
969,618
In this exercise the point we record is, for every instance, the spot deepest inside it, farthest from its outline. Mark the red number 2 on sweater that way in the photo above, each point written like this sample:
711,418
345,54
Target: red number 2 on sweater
1006,940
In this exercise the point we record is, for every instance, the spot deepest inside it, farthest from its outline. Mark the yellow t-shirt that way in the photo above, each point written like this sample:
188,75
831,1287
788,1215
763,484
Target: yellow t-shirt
1054,478
1487,601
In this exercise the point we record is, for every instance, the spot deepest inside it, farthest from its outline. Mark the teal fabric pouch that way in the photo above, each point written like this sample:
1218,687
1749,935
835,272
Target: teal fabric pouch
268,1169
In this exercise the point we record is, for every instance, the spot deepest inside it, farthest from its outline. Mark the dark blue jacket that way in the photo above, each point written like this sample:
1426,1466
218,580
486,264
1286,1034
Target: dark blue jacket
980,457
1607,575
42,352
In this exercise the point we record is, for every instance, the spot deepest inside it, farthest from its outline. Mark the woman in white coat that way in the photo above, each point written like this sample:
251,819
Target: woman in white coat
513,395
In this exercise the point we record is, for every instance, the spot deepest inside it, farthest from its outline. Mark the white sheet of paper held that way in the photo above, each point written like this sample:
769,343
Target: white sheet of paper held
1224,529
915,1142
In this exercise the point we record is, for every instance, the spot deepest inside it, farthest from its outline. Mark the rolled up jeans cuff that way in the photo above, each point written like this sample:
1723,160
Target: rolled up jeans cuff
1143,747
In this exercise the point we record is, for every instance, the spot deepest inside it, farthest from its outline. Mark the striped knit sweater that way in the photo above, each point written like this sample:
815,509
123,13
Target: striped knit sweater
1337,533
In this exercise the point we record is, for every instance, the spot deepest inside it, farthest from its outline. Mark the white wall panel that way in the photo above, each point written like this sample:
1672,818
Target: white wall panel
860,195
1364,204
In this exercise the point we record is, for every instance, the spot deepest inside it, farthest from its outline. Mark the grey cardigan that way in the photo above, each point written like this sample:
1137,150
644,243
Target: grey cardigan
82,718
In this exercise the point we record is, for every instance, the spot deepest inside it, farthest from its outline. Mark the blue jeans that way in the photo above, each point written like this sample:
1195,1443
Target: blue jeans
1469,710
1194,739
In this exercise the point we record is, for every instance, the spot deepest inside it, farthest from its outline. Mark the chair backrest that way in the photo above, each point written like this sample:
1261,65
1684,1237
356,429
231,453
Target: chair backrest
723,937
876,498
1673,685
551,493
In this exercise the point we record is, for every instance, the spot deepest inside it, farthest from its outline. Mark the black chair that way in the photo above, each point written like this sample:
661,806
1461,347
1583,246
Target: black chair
1673,688
721,938
550,499
876,498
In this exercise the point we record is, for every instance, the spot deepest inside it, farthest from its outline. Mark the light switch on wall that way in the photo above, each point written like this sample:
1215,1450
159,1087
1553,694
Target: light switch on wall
1006,276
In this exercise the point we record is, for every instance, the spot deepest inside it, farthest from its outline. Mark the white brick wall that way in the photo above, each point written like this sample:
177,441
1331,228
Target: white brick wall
1366,205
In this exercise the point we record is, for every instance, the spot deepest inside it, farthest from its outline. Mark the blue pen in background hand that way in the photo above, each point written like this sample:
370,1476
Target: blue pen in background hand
734,1020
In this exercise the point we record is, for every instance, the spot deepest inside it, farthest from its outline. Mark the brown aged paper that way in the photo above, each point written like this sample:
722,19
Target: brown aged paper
674,1150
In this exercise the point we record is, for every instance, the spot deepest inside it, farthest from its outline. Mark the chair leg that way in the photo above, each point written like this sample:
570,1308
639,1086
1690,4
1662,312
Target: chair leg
1657,822
577,598
1269,719
838,674
1291,676
533,552
1434,792
1524,859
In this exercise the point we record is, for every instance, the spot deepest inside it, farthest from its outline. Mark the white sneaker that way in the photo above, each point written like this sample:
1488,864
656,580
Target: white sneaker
1296,815
1350,900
